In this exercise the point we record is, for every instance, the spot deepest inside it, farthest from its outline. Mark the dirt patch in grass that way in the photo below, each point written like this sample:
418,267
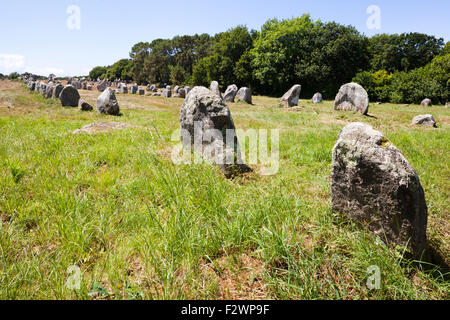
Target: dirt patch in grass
237,277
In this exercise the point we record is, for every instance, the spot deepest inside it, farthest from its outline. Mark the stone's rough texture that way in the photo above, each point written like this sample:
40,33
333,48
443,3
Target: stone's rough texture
141,91
49,90
182,93
107,103
84,106
102,85
42,88
290,98
424,120
187,89
123,88
167,92
215,88
134,89
69,96
175,90
426,103
352,96
230,93
204,117
374,184
31,85
102,127
244,94
317,98
57,90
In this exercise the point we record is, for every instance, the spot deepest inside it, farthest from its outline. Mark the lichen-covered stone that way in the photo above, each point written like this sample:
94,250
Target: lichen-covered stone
372,183
352,96
205,118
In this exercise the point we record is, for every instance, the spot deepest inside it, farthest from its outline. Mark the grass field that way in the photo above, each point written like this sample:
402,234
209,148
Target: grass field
140,227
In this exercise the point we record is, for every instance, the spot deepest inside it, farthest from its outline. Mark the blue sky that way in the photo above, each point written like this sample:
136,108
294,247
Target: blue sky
35,36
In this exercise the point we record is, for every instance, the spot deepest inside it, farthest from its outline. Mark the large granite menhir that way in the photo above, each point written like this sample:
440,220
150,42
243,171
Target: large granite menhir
372,183
205,119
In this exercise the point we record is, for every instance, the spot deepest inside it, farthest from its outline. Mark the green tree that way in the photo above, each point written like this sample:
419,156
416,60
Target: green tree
403,52
120,70
97,72
320,57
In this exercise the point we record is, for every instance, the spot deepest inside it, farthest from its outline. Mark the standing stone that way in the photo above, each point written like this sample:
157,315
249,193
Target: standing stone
187,89
84,85
352,96
372,183
69,96
43,88
102,85
230,93
244,94
133,89
84,106
31,85
290,98
37,87
424,120
426,103
317,98
206,123
107,103
57,91
49,90
175,90
166,92
89,87
141,91
182,93
215,88
123,88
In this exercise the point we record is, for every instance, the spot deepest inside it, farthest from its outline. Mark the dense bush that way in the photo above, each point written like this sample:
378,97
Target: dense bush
377,84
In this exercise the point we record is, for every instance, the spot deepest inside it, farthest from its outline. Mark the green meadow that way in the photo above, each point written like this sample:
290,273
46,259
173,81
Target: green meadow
138,226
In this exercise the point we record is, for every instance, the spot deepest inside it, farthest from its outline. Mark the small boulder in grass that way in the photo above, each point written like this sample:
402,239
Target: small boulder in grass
425,120
426,103
83,105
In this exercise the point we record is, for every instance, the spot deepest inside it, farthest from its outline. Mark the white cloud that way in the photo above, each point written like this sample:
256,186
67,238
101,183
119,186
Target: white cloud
11,63
45,71
16,63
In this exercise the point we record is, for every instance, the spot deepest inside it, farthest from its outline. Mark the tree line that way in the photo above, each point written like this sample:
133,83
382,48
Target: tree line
320,56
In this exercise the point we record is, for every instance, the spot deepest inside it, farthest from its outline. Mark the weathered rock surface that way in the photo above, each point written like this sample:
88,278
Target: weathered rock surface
426,103
244,94
290,98
69,96
317,98
352,96
123,88
205,118
230,93
424,120
57,90
215,88
84,105
167,92
102,85
107,103
372,183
